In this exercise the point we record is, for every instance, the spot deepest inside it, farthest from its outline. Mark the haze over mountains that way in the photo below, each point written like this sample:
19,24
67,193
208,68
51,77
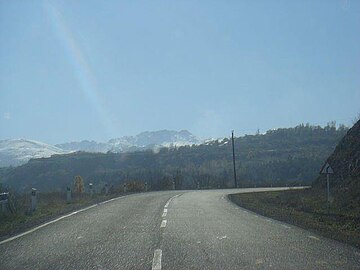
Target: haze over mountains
15,152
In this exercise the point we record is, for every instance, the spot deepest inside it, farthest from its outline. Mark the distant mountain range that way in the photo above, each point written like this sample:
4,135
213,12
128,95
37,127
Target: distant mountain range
18,151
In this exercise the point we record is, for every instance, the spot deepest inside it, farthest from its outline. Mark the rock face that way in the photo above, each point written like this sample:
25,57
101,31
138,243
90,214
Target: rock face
345,161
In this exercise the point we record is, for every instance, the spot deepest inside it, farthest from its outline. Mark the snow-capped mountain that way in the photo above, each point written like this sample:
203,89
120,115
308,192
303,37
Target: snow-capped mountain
86,146
19,151
153,139
144,140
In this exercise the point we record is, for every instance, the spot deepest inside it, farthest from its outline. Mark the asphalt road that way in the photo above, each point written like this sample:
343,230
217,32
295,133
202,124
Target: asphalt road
173,230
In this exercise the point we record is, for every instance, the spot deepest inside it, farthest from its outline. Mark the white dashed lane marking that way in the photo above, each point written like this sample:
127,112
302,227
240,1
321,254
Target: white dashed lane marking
163,224
156,264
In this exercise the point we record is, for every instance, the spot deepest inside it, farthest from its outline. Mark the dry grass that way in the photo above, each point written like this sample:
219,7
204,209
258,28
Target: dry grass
307,209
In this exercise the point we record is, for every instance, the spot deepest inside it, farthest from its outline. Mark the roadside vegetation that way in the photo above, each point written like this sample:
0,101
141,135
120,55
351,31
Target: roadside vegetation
307,209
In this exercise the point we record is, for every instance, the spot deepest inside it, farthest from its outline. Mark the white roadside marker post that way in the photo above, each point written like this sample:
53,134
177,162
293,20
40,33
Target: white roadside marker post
146,187
173,185
91,189
125,188
33,199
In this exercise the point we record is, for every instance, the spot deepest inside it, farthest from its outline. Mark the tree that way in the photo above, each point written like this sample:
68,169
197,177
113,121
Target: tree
78,184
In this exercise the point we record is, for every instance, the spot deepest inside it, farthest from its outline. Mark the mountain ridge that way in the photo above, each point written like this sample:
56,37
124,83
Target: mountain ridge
15,152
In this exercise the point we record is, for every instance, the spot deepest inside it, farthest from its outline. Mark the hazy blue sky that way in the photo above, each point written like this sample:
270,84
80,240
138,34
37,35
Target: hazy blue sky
73,70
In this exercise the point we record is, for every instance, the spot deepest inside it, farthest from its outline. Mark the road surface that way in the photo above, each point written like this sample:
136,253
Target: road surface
173,230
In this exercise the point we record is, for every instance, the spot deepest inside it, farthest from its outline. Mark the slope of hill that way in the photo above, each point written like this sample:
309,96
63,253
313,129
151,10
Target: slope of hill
19,151
345,161
279,157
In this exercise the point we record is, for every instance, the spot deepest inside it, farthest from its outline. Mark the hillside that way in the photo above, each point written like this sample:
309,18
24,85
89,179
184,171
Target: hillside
345,161
279,157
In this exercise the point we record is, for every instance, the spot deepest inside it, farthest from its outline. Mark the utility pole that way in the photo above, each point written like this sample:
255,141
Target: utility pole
233,149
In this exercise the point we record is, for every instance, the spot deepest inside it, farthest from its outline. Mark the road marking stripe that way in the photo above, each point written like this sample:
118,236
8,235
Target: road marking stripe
156,263
313,237
164,214
58,219
45,224
163,223
169,200
165,210
285,226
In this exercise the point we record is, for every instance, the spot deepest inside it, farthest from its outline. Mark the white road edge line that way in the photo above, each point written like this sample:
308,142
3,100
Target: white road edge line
313,237
156,263
56,220
164,214
163,223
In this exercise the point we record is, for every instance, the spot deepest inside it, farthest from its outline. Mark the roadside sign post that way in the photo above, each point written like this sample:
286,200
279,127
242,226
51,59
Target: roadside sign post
33,199
327,170
125,189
